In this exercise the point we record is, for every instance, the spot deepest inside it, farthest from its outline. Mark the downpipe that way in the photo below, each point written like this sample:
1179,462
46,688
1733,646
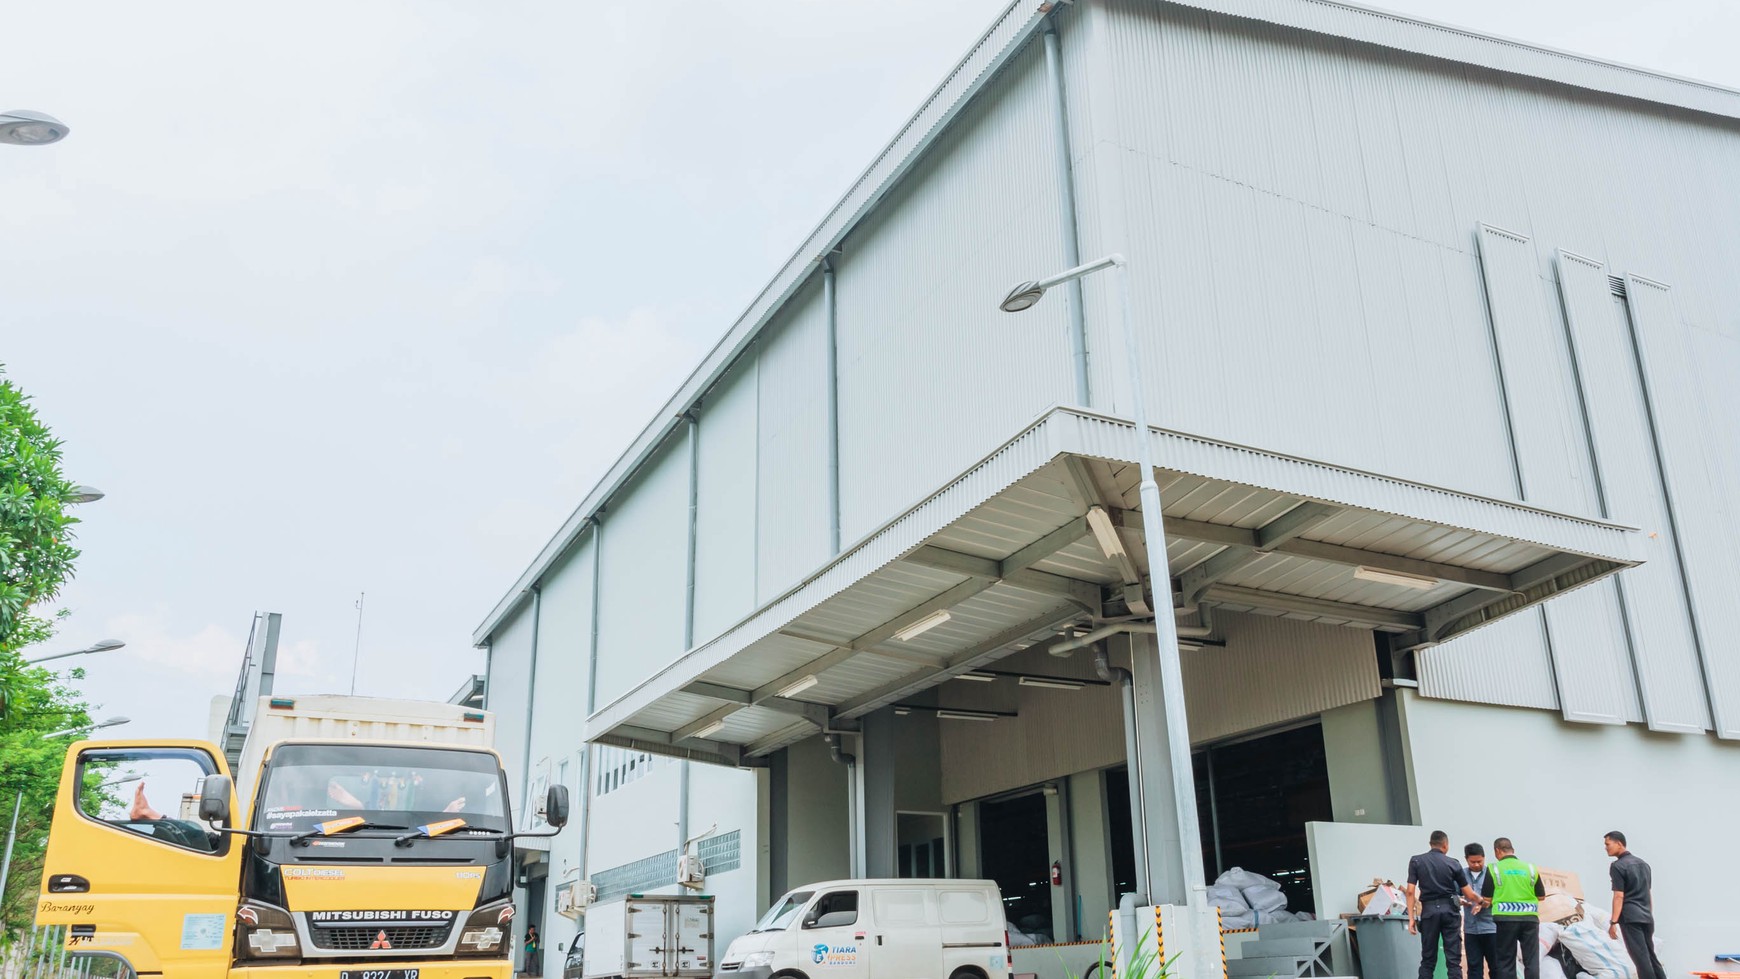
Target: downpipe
1138,825
852,828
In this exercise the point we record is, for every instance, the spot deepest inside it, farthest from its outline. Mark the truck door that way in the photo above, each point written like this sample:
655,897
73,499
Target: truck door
131,869
904,939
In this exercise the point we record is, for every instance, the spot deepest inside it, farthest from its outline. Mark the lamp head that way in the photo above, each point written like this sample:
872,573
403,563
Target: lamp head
22,127
1022,297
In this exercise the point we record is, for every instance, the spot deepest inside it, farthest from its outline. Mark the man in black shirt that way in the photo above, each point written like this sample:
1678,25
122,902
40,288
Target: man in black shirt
1434,910
1633,913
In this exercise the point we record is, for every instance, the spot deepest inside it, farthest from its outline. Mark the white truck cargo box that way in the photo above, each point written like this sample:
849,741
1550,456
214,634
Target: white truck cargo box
651,936
333,717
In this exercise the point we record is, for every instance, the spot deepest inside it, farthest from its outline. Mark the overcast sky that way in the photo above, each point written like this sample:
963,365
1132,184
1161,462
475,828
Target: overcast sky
366,296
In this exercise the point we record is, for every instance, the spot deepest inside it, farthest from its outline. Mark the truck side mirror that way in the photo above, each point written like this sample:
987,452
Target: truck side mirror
214,799
556,806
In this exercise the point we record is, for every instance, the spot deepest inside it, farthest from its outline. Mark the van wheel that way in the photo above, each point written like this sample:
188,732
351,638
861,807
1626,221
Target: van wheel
967,973
789,974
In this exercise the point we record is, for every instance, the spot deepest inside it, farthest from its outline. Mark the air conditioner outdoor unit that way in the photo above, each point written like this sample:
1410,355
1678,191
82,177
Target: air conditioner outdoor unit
572,900
691,872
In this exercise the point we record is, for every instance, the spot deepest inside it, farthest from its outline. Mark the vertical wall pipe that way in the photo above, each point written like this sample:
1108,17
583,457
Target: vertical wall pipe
1132,760
531,693
586,776
689,615
833,357
1066,201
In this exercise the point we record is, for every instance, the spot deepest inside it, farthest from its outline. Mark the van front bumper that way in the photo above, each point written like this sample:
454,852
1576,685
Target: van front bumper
442,969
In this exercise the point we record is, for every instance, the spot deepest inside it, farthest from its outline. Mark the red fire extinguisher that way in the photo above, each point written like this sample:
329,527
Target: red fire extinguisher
1057,873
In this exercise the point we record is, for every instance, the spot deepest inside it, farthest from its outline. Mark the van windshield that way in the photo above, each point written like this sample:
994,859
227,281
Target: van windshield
784,912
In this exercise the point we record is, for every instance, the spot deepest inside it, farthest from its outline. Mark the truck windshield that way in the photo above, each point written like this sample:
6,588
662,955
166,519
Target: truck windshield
389,785
784,911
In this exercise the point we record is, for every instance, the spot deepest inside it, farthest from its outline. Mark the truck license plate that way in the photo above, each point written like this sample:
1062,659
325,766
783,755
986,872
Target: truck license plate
378,974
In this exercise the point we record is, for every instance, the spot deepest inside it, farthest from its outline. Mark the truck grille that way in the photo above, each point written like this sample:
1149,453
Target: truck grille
363,938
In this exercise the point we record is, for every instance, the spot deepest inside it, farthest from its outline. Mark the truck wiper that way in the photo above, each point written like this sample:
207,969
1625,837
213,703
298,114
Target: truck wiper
336,826
429,831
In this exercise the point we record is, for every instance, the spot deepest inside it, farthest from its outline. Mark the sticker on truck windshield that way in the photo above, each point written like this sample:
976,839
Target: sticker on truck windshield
826,955
202,932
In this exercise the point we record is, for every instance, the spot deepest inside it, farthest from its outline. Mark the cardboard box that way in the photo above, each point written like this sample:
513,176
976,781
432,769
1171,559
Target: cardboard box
1561,882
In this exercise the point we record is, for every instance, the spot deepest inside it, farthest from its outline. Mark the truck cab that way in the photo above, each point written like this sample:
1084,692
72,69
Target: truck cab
346,859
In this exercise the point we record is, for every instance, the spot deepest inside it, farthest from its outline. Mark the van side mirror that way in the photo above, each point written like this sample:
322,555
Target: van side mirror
556,806
835,919
214,799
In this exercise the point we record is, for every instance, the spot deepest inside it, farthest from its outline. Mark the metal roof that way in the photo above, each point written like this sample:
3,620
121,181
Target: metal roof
1006,549
1011,30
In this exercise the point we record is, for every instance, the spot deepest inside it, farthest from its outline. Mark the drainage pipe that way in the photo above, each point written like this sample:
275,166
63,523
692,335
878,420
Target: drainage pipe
829,307
1145,628
694,447
852,827
1066,199
1132,759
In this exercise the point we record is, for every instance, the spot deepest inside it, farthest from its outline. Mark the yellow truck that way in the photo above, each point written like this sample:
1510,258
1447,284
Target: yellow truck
362,839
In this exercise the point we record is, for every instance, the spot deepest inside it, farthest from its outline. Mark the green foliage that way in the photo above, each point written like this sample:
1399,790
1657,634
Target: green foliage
36,555
35,560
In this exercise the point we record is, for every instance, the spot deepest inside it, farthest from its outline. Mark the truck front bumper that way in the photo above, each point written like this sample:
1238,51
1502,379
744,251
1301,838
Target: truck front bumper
443,969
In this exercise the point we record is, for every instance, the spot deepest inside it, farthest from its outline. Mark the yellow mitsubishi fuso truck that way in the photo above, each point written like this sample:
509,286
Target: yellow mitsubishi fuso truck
360,839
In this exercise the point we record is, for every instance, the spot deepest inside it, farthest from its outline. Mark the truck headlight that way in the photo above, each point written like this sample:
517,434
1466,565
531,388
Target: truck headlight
755,960
486,930
264,931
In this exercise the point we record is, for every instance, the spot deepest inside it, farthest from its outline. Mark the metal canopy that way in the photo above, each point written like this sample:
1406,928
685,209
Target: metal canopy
1044,535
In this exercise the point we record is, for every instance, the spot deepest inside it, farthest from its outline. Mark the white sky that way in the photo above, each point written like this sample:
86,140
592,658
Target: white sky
367,297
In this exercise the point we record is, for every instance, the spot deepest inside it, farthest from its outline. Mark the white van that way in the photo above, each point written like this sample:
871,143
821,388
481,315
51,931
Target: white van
877,929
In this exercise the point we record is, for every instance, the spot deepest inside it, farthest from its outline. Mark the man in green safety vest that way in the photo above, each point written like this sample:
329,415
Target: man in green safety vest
1515,890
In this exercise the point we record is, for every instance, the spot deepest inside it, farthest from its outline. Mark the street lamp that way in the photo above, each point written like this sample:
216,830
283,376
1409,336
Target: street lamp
1024,296
85,494
22,127
82,728
100,646
12,834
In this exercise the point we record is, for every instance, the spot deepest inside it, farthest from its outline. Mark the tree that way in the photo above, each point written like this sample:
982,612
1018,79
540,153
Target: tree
36,558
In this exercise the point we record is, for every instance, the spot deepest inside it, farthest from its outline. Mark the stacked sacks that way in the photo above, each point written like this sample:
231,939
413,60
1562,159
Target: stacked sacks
1246,900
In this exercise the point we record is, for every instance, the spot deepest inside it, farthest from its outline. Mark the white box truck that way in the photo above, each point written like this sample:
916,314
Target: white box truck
650,936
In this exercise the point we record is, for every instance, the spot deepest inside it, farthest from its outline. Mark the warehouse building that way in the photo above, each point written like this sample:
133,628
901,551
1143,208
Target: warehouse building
1437,336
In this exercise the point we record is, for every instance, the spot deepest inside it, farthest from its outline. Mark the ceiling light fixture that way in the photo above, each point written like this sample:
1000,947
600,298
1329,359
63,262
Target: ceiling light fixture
1399,578
965,715
709,730
1050,683
793,689
902,711
922,626
1106,532
977,677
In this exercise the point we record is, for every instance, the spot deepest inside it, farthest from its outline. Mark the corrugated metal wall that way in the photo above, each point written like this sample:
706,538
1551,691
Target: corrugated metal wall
932,375
1306,669
1712,533
1056,732
564,640
1703,521
725,528
510,667
1585,631
640,594
792,446
1348,182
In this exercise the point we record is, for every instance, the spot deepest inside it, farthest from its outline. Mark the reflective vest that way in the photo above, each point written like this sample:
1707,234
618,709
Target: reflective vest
1513,889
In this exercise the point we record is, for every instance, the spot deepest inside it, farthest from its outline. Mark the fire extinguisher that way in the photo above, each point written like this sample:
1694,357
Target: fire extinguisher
1057,873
